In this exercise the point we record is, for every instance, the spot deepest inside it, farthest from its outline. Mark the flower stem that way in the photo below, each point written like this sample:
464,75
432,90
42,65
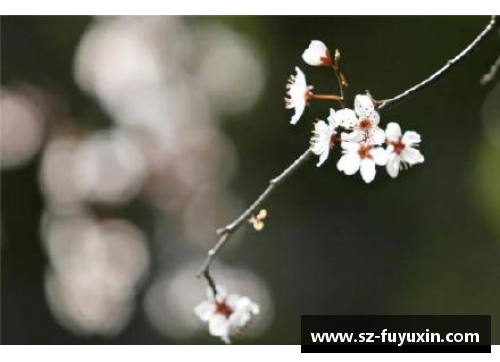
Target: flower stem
332,97
227,231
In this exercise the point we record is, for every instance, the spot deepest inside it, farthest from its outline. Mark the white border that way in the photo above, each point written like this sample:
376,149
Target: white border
225,7
218,353
254,7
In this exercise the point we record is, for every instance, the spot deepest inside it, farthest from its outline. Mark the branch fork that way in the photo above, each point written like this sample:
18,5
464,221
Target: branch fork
228,230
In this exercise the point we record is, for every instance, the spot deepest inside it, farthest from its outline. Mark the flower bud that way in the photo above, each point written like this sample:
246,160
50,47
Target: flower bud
317,54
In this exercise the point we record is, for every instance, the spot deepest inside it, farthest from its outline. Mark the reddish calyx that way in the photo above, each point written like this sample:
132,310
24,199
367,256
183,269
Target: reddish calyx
364,151
224,309
399,146
364,124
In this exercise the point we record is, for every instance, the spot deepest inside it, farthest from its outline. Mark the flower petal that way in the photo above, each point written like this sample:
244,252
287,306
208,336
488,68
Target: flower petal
379,156
205,310
367,170
346,118
219,326
350,147
321,127
316,54
323,157
321,141
232,300
243,313
412,156
299,110
349,163
392,165
300,78
297,90
377,135
411,138
356,136
374,118
393,132
363,106
331,118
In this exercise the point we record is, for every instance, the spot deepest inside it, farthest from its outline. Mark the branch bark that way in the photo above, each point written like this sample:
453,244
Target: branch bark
450,64
227,231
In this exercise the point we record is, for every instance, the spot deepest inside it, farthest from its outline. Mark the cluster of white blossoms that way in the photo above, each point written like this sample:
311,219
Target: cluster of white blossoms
226,314
364,144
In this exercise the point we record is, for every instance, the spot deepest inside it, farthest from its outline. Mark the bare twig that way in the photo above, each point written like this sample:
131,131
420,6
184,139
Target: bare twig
340,76
387,103
488,77
227,231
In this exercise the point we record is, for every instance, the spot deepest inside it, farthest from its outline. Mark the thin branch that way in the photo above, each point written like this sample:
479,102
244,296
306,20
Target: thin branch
488,77
331,97
387,103
227,231
340,76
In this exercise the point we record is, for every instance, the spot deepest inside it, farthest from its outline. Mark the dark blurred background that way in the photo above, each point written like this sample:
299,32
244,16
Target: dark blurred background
126,142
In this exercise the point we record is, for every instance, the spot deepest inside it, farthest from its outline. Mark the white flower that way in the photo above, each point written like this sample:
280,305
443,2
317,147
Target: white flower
345,118
321,141
226,314
299,93
361,156
366,127
317,54
402,149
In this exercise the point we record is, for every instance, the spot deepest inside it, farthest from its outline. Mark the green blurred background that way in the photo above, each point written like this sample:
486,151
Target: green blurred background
197,104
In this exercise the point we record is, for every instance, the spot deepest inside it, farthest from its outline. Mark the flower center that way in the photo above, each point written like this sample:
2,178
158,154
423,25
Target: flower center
364,151
365,124
399,146
224,309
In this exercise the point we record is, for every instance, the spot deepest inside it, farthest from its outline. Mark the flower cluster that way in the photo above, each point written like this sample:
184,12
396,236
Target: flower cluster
226,314
362,140
364,145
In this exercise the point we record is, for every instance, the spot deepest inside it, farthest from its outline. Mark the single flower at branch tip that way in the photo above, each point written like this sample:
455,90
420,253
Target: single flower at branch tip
362,157
317,54
226,314
298,94
402,149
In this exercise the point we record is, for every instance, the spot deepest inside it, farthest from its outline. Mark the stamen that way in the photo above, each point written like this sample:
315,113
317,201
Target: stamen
364,151
224,309
399,146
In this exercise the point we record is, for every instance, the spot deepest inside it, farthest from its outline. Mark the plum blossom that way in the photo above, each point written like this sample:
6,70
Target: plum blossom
299,94
366,127
225,314
345,118
317,54
402,151
361,156
321,141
